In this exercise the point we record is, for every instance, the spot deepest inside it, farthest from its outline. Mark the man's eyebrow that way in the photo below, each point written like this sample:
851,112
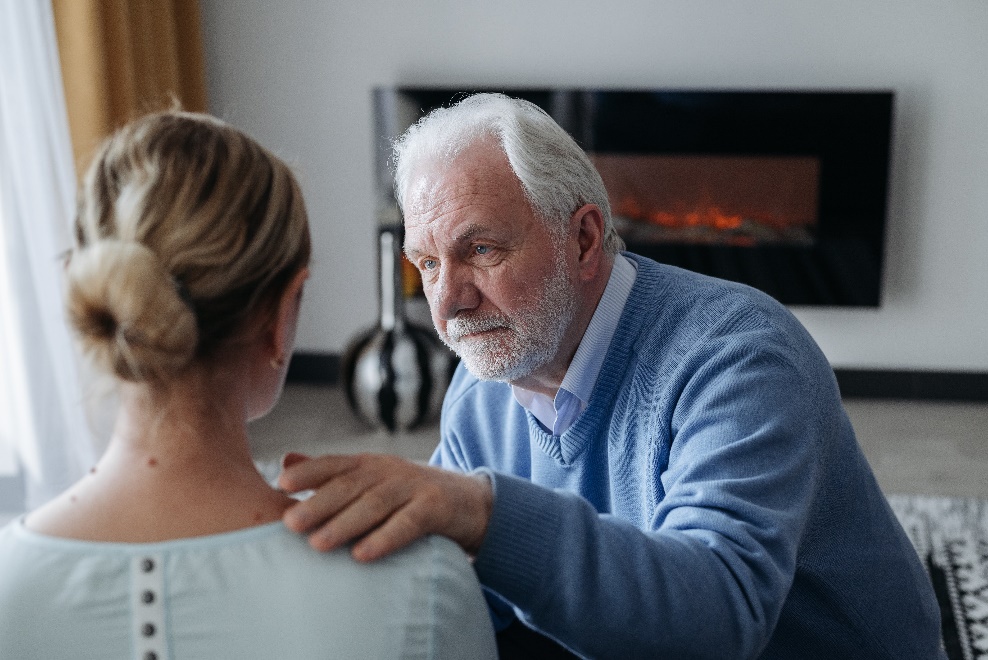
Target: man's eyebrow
465,235
470,232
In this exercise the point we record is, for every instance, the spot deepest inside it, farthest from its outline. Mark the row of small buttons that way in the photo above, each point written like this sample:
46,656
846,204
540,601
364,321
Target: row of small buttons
148,608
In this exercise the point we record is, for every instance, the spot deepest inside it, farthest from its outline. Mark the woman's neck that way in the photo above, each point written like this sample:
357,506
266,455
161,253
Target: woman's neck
194,421
178,465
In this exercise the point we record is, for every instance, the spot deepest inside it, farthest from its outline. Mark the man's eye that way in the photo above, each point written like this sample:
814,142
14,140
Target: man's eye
482,249
428,264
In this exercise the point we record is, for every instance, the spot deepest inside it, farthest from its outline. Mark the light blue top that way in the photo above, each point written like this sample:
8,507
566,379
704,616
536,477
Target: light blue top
710,502
255,593
574,392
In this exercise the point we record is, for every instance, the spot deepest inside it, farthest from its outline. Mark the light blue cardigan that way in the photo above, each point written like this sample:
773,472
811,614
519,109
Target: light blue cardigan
711,502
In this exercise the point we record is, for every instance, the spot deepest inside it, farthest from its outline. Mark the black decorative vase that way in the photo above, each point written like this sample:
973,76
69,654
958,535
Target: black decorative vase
395,374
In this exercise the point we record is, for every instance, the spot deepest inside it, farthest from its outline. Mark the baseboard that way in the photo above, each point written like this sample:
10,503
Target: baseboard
324,369
918,385
314,368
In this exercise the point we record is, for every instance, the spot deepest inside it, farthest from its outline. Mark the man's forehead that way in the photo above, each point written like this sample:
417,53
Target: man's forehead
438,191
477,171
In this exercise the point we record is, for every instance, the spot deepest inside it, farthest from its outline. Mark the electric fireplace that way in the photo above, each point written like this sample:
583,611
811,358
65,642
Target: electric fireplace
784,191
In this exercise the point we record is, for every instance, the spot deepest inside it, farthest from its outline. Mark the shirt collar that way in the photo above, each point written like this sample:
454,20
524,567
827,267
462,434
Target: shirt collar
581,376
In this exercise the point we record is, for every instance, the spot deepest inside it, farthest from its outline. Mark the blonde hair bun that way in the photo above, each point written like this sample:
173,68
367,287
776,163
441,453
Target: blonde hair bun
181,197
128,312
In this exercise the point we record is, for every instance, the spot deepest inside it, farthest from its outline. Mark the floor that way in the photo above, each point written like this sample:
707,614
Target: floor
914,447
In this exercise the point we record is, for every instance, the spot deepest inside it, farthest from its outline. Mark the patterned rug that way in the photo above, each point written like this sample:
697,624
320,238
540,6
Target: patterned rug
951,536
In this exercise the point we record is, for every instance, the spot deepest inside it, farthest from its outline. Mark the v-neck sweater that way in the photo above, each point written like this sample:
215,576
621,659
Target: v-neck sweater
711,501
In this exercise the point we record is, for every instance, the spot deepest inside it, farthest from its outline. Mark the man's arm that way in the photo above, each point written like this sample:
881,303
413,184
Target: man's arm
386,502
711,574
706,573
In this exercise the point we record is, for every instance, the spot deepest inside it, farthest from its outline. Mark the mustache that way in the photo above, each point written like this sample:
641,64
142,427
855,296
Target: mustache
458,328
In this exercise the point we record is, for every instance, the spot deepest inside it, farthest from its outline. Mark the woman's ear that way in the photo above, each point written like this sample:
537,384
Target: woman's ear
286,318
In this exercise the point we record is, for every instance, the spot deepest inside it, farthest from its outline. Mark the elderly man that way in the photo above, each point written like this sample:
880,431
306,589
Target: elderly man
644,462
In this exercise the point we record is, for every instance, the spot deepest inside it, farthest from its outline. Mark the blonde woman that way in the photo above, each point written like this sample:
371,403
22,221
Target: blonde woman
192,250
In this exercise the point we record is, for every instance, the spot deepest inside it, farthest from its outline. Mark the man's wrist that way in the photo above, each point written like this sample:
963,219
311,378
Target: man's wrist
480,512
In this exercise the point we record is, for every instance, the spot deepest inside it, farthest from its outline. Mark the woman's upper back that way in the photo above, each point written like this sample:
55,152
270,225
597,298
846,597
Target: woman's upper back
255,593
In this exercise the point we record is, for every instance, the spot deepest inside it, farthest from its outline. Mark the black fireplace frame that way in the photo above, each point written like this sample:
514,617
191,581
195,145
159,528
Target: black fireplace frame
848,131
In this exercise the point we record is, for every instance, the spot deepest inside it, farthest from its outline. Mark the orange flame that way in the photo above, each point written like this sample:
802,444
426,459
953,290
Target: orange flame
711,216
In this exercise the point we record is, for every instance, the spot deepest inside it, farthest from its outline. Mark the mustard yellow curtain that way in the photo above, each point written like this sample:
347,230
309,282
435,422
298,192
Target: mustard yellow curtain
125,58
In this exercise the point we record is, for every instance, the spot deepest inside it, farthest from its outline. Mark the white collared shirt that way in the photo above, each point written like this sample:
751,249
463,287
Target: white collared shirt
574,393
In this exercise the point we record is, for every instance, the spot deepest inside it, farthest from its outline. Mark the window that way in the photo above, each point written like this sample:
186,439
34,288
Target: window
45,440
8,462
11,482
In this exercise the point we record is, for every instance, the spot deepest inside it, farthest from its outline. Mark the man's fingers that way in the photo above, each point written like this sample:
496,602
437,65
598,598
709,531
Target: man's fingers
395,533
362,515
423,511
339,492
291,458
314,472
383,503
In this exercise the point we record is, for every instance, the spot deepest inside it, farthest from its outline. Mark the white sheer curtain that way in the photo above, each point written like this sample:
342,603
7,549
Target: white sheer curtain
41,415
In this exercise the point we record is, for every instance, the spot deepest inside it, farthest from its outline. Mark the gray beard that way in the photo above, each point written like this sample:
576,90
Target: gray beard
528,341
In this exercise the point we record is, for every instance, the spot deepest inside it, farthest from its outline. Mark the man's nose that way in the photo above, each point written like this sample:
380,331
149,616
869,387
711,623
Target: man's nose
453,291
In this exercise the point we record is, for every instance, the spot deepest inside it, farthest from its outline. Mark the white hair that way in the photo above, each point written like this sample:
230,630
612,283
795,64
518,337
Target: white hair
556,175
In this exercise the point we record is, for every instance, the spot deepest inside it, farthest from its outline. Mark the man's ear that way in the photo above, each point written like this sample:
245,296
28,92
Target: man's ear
588,222
286,317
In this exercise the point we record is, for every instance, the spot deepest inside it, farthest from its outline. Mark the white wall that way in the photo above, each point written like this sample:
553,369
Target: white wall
297,74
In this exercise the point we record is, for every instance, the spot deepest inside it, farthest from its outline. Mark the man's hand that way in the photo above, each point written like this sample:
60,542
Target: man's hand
384,501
